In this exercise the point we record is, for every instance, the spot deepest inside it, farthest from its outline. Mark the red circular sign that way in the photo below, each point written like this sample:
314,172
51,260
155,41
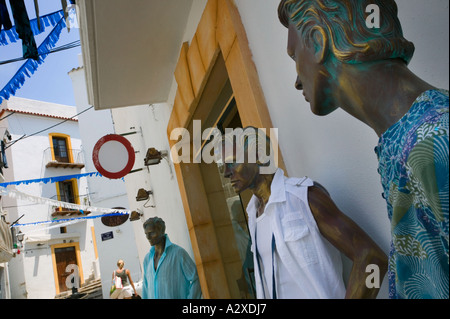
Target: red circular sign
113,156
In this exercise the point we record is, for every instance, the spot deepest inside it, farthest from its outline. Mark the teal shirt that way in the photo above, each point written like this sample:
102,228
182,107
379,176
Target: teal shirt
414,167
175,276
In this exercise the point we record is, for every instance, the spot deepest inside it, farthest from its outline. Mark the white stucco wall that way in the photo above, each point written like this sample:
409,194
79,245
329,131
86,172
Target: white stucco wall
151,121
31,272
337,150
105,192
161,179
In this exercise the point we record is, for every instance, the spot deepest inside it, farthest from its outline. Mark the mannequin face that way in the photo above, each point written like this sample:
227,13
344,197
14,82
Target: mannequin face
313,78
242,175
154,234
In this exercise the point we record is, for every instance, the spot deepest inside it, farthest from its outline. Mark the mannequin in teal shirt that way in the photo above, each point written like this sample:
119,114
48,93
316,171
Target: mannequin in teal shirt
169,272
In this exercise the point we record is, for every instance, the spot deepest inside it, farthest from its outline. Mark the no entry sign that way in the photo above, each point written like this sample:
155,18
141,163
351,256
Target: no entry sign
113,156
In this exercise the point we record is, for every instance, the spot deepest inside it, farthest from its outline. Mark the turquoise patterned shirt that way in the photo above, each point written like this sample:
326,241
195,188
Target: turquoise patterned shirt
413,159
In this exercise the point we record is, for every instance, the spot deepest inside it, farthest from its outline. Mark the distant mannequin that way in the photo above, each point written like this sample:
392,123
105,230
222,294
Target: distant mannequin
169,272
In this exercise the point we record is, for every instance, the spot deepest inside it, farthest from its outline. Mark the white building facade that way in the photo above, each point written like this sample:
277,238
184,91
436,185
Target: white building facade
45,142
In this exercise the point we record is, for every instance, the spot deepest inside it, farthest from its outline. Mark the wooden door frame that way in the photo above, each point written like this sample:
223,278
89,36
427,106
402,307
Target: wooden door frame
78,256
220,31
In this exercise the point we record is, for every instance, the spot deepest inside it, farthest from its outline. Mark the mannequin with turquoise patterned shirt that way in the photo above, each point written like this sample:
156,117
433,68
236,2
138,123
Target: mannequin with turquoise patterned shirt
343,61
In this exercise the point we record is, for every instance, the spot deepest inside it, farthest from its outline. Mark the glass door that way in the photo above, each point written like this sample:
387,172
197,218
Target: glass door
228,208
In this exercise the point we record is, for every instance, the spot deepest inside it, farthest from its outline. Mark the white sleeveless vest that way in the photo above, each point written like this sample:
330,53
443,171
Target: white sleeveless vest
308,256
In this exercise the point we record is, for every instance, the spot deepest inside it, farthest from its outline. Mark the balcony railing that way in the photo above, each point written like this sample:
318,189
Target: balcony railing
61,211
67,158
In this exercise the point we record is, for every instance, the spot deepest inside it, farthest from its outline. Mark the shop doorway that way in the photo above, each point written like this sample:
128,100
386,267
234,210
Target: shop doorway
219,217
217,56
63,256
228,208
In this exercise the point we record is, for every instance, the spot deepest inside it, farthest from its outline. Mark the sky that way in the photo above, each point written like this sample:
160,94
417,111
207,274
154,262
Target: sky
50,82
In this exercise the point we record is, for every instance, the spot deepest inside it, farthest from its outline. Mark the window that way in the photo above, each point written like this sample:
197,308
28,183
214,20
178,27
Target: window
60,153
61,148
67,191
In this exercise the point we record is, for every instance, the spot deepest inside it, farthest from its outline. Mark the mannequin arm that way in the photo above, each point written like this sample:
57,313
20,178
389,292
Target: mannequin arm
350,239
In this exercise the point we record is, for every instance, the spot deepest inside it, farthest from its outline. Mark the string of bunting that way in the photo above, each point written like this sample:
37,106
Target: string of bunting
59,223
53,179
41,200
48,20
30,66
47,201
68,221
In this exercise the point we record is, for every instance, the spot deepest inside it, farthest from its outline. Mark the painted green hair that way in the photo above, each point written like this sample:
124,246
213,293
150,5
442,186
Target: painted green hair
344,24
156,221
